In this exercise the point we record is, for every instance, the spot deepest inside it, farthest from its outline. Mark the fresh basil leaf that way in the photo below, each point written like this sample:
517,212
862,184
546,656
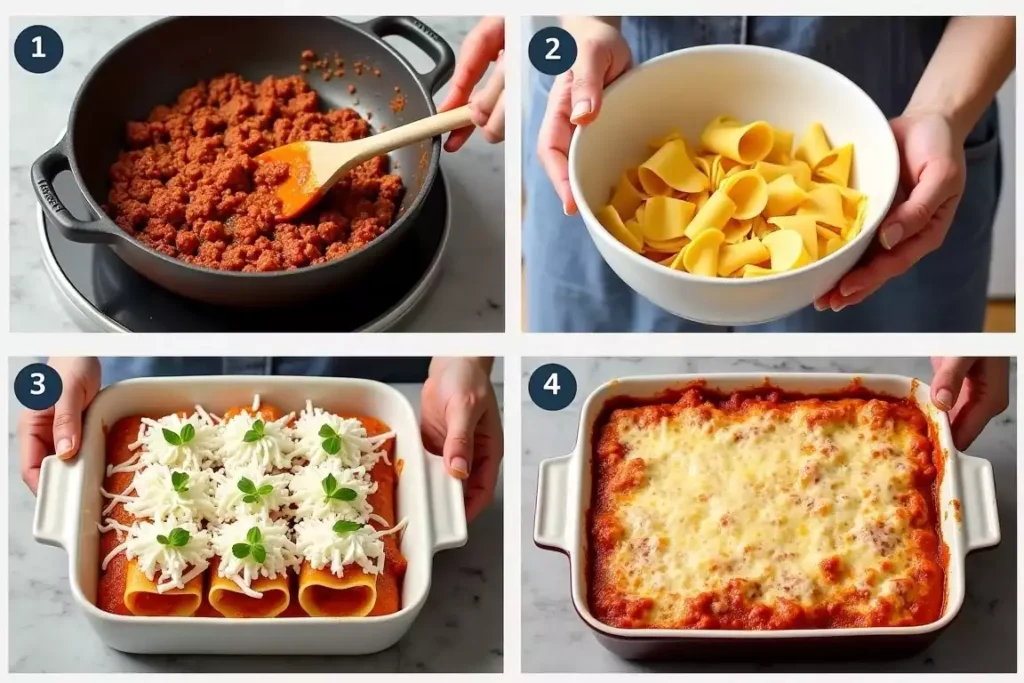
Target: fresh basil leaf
344,526
254,536
179,481
332,445
257,427
240,550
251,436
245,485
188,432
259,553
250,498
329,483
178,537
265,490
326,431
162,540
171,438
344,494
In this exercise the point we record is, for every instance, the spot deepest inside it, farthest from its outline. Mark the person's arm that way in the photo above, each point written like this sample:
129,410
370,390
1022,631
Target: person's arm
974,58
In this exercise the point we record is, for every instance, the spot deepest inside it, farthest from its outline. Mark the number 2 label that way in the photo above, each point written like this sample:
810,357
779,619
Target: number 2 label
552,54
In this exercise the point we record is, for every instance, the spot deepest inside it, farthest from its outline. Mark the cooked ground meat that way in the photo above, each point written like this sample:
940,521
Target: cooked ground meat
189,186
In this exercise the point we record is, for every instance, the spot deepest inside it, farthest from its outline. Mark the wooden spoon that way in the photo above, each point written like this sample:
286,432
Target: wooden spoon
314,167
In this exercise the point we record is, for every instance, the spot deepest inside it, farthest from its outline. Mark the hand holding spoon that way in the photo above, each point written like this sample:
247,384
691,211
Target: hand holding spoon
314,167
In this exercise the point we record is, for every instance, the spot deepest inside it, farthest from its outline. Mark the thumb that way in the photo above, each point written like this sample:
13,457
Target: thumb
588,74
948,380
67,417
461,417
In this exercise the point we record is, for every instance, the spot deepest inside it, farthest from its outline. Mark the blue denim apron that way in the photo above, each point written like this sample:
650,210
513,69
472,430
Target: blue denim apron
571,289
380,369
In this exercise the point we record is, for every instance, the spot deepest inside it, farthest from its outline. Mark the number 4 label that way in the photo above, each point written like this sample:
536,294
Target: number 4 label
552,384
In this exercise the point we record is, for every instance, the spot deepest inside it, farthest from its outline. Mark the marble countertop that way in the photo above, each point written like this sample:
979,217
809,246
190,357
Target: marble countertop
983,637
459,630
468,297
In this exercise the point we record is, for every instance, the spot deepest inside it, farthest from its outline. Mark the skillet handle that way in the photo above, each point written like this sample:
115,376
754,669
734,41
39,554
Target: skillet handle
979,507
426,39
44,170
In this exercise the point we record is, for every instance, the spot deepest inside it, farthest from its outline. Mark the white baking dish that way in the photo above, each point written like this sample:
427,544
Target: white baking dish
69,504
564,491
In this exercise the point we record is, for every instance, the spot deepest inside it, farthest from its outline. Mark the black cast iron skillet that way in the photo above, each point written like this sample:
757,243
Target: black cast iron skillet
153,65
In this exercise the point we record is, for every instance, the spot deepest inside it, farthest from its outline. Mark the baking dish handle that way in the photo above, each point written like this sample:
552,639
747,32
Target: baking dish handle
44,170
550,525
447,509
979,506
426,39
54,519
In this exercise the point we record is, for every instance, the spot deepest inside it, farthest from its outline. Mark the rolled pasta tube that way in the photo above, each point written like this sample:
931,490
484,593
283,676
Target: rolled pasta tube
715,213
787,251
782,146
732,257
784,195
322,594
609,218
627,197
745,144
805,227
748,191
756,271
670,168
700,257
737,231
825,204
143,599
668,246
838,171
666,218
230,600
814,148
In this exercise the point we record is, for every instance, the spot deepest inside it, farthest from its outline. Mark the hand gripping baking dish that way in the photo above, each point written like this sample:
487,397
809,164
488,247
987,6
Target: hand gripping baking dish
965,506
70,506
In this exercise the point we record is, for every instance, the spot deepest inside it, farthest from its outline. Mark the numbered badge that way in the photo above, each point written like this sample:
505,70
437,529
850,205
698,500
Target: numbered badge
38,49
552,51
38,386
552,387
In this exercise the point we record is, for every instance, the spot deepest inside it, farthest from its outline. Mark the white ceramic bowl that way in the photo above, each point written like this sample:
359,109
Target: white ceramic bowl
969,520
686,89
69,506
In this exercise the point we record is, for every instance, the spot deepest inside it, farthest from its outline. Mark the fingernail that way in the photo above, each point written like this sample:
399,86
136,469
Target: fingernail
565,210
818,306
64,447
891,235
838,307
579,110
847,290
944,398
460,467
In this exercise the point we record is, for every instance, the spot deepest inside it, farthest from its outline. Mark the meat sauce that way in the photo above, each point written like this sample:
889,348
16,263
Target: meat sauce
188,185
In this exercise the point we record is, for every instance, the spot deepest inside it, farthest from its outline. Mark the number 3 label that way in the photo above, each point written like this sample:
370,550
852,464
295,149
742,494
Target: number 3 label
38,387
552,50
552,387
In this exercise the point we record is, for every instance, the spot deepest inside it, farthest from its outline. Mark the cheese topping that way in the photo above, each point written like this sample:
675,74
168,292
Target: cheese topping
232,501
156,546
325,489
278,554
351,448
180,443
248,439
156,496
321,545
802,509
